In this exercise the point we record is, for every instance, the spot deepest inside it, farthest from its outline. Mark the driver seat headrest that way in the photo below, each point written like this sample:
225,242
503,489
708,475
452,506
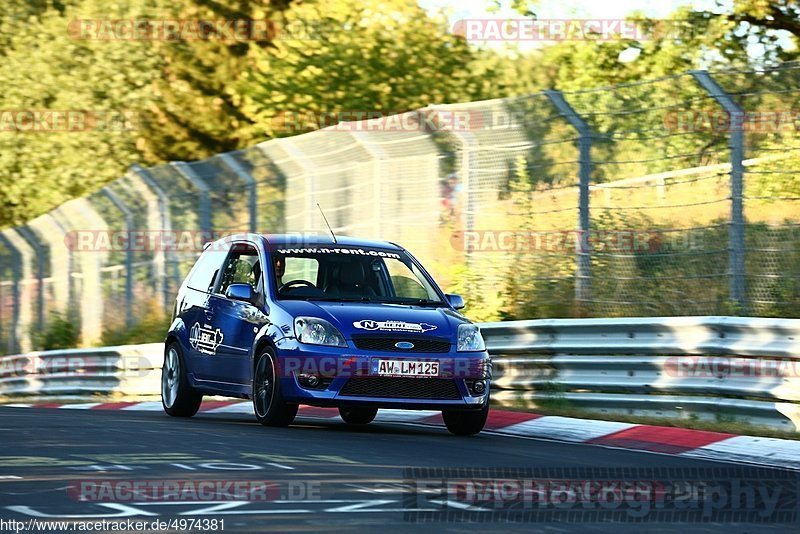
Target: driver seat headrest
351,274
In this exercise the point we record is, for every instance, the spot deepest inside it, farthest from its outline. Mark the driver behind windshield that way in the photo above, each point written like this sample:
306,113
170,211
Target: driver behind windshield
280,268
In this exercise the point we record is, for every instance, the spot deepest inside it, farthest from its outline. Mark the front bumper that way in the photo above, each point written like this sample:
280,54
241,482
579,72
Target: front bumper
336,366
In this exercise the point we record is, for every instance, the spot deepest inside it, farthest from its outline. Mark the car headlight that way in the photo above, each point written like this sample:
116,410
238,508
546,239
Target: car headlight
469,339
316,331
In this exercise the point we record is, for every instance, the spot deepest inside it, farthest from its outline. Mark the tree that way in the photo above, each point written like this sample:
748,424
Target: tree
388,56
198,110
45,69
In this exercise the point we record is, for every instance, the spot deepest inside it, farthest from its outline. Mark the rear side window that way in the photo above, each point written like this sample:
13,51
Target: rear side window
206,271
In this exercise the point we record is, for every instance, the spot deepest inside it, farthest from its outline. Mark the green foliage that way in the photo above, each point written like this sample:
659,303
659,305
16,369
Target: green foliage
198,110
537,284
190,99
46,69
151,327
385,56
61,332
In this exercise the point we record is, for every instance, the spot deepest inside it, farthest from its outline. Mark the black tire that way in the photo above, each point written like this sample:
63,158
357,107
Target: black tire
465,422
268,403
178,397
357,415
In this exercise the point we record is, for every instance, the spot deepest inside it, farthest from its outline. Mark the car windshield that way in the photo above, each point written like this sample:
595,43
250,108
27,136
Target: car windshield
351,274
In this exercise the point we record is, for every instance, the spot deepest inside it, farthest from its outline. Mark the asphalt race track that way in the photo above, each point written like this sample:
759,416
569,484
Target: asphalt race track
328,476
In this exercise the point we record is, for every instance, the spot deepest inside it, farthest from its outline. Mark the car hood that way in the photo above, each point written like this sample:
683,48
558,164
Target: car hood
353,318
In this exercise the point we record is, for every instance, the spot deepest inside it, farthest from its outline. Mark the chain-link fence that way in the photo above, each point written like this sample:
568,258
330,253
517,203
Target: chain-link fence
675,196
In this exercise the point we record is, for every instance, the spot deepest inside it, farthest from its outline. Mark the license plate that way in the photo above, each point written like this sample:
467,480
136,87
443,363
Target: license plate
406,368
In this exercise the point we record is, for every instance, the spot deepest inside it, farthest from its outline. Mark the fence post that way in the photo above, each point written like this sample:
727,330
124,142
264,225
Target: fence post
252,194
114,198
16,273
166,227
583,281
2,312
310,174
205,202
55,217
31,239
378,154
736,144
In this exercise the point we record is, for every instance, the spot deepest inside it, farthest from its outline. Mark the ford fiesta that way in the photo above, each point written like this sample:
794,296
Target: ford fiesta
339,322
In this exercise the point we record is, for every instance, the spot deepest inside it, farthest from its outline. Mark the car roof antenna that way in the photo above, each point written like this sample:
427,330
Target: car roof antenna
327,224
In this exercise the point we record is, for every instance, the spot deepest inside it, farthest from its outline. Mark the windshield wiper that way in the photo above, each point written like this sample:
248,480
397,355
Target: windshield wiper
341,299
414,302
378,300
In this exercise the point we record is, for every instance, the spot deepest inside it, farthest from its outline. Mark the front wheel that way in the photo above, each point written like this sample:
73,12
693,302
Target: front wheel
178,397
268,403
357,415
465,423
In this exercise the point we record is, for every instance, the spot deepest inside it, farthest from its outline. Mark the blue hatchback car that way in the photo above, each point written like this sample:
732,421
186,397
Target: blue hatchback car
322,321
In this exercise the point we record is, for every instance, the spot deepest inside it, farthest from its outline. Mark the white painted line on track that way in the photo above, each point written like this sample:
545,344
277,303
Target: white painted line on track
145,407
239,407
82,406
281,466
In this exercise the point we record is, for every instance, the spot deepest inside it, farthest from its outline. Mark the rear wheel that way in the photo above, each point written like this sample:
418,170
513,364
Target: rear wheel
178,397
357,415
465,423
268,403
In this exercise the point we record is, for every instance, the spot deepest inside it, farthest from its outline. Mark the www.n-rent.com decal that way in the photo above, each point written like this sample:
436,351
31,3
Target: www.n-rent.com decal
335,250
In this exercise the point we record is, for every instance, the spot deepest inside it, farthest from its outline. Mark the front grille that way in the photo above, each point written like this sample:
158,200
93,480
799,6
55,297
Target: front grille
387,344
396,388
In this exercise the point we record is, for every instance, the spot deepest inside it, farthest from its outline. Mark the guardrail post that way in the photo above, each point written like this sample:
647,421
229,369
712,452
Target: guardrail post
166,226
126,213
252,194
583,250
31,239
205,202
736,144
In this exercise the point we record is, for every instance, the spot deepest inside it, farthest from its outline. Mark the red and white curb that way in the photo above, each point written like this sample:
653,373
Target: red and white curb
717,446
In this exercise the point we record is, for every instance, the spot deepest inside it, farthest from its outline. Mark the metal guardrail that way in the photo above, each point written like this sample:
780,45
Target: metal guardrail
713,368
129,371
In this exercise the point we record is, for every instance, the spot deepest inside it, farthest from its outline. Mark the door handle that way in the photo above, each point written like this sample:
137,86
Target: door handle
209,314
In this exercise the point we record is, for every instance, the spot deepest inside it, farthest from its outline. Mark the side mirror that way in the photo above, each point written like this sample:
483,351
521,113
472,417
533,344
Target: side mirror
243,292
456,301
